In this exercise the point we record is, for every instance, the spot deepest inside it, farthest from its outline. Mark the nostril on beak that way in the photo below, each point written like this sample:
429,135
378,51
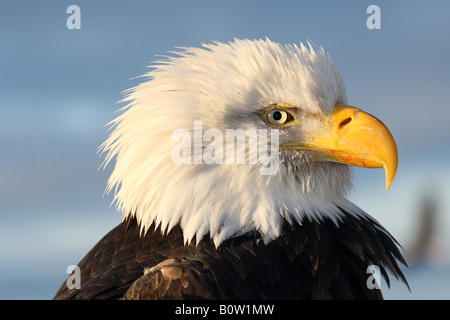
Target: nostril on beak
345,122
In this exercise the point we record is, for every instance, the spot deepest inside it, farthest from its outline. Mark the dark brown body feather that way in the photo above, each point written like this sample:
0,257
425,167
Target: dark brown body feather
315,260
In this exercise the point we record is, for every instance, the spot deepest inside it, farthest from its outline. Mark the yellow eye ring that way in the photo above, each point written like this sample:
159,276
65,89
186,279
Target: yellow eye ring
277,117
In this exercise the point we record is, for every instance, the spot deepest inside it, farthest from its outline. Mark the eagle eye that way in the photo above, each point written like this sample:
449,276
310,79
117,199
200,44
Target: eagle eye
278,117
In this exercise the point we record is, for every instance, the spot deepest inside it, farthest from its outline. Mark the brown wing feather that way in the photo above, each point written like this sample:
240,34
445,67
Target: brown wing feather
174,279
315,260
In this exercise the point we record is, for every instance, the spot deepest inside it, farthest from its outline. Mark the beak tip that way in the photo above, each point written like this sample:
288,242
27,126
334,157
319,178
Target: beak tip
389,178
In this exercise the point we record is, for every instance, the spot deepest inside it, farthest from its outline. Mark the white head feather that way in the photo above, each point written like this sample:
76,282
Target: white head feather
226,86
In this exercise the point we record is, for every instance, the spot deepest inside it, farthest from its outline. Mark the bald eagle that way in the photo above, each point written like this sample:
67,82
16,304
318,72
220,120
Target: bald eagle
201,223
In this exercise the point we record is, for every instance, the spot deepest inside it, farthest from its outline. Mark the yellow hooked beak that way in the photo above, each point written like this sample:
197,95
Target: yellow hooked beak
353,137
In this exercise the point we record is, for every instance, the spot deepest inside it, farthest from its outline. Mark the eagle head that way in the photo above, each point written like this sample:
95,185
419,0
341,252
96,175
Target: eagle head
242,136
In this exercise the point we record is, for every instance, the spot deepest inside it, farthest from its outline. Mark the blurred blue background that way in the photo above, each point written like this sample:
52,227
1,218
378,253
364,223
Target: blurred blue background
59,88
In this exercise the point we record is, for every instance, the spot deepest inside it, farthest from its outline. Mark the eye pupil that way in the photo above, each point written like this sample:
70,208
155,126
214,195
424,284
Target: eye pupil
277,115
